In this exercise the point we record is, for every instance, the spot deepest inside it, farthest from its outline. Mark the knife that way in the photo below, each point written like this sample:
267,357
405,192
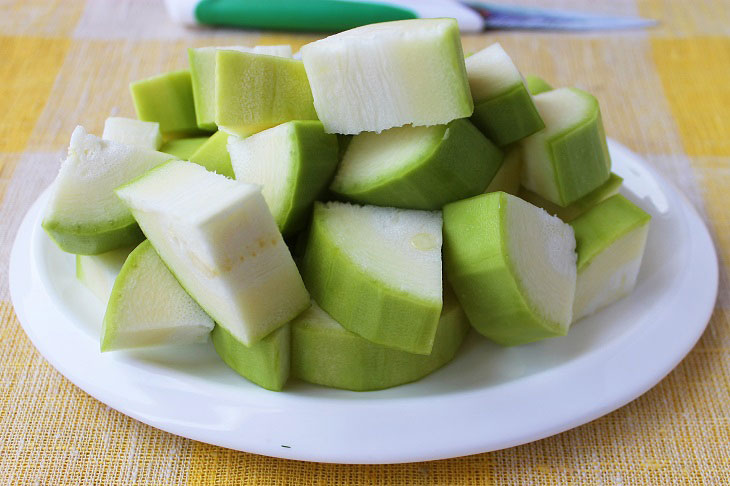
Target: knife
338,15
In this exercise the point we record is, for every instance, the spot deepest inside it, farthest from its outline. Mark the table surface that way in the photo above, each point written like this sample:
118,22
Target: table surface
664,92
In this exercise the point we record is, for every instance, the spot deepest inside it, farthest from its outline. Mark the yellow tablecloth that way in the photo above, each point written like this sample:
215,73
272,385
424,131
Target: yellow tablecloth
664,92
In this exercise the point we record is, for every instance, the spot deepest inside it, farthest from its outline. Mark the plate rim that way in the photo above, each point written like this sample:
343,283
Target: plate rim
702,310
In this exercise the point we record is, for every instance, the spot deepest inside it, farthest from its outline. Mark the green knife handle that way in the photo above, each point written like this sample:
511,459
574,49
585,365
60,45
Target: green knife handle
306,15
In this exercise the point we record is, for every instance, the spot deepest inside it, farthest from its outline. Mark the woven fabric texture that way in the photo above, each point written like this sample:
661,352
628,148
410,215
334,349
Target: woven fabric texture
664,92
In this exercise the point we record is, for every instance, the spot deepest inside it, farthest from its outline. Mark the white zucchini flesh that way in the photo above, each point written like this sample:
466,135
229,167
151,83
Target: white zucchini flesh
219,239
611,275
390,74
544,266
611,237
142,134
400,248
491,72
83,215
148,307
377,271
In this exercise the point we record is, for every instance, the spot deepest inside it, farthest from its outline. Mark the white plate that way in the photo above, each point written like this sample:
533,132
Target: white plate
488,398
